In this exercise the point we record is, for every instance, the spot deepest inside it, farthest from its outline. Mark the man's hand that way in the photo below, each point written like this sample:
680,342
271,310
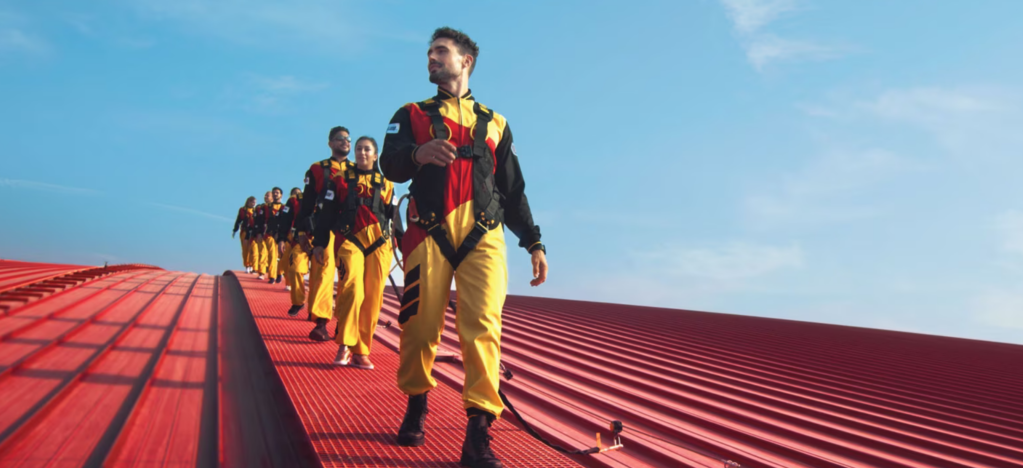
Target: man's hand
436,152
280,248
233,233
539,268
259,238
319,255
303,243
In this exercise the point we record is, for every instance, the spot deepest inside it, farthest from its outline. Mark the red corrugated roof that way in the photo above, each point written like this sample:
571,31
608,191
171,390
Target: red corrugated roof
133,366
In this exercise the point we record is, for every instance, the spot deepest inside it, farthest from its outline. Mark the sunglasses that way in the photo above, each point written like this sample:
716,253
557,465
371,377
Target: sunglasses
343,138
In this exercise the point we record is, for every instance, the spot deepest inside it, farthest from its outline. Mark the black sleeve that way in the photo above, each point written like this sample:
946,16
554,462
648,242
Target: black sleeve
325,219
239,220
305,210
508,177
399,146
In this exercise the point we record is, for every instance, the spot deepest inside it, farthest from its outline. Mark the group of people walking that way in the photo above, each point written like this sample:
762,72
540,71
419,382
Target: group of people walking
466,186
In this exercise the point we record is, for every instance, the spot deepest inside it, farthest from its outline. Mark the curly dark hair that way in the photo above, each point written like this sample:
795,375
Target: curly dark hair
334,131
466,46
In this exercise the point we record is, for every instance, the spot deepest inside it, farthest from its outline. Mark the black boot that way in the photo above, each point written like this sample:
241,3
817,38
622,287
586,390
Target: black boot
411,432
476,451
293,311
280,279
271,281
320,332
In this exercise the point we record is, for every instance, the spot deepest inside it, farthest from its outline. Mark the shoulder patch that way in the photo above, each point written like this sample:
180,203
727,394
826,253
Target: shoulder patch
306,181
393,128
287,209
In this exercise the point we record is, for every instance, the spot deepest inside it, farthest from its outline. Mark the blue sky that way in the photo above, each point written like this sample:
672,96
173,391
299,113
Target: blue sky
846,162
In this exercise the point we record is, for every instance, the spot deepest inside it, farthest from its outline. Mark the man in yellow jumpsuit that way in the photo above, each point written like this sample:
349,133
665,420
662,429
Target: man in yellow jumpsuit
262,256
360,217
295,259
243,221
319,189
272,211
466,187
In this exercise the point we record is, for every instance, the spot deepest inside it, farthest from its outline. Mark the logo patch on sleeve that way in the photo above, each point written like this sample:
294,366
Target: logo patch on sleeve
514,153
393,128
287,208
306,182
330,195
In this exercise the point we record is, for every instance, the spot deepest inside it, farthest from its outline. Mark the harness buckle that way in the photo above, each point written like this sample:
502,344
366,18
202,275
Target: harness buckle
465,151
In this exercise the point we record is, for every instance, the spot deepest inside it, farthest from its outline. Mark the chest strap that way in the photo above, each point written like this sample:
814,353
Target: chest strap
375,203
486,200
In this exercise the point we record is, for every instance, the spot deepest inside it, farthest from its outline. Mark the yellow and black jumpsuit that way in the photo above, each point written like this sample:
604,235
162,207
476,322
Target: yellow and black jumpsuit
272,211
259,254
360,217
459,233
319,189
244,220
295,260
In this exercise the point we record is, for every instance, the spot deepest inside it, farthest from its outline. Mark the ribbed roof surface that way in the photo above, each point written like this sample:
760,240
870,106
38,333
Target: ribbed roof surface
135,366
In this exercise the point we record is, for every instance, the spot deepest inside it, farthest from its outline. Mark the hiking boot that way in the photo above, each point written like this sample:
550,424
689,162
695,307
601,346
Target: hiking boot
411,433
320,332
280,279
476,451
293,311
271,281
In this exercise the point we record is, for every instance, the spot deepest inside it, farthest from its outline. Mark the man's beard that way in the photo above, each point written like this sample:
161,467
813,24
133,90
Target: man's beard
341,153
442,75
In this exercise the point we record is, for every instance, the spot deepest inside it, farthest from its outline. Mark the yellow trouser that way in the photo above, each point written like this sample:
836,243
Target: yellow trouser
298,265
285,260
482,284
321,285
246,246
360,292
261,255
270,244
253,255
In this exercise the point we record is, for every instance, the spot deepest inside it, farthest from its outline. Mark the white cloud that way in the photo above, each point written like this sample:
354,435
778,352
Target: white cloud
15,38
751,17
828,189
768,49
975,123
1010,226
748,16
195,212
1000,308
930,105
46,187
270,94
735,261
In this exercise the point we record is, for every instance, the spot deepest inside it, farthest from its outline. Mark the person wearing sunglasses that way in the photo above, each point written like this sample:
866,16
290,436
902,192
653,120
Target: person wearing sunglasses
319,189
360,217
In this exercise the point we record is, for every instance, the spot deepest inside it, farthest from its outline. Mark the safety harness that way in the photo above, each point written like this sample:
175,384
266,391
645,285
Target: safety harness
376,205
326,189
486,200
